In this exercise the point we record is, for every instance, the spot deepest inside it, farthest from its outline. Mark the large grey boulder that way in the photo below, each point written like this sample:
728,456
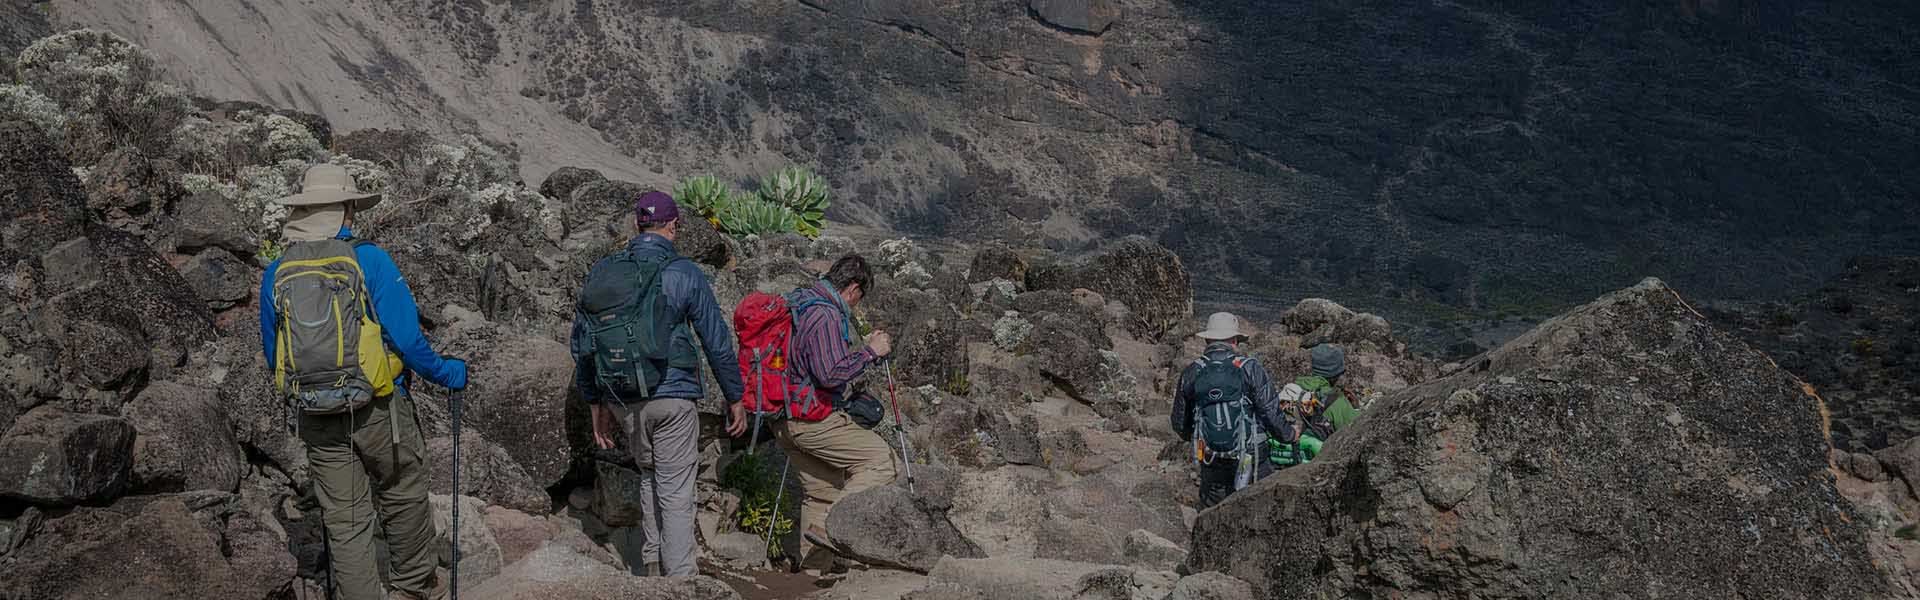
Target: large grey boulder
41,202
891,526
520,399
480,555
184,441
153,549
1142,547
209,220
487,472
1626,449
219,278
1078,16
59,458
561,183
556,571
1145,276
1011,577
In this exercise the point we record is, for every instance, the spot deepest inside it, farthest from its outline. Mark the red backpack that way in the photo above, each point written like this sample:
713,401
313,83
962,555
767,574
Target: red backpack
763,324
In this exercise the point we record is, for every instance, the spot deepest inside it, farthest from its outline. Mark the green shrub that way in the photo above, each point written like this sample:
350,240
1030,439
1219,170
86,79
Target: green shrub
110,90
801,192
36,108
269,251
765,510
746,215
957,384
705,195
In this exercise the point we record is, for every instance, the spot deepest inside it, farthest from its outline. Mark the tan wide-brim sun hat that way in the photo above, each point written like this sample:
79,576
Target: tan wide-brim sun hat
330,184
1221,326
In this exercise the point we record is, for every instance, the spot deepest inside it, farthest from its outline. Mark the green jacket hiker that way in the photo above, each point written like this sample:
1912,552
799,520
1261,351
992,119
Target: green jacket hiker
1322,404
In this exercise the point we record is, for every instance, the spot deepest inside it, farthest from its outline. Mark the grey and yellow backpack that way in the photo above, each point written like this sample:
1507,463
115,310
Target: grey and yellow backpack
329,355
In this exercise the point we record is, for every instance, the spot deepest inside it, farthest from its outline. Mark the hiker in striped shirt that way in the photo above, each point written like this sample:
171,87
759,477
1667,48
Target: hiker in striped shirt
836,456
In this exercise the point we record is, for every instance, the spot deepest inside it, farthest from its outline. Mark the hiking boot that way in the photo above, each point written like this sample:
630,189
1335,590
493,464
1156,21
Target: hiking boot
819,538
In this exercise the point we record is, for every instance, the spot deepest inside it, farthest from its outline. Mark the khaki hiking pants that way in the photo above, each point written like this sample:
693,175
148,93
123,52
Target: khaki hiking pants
375,456
664,435
834,457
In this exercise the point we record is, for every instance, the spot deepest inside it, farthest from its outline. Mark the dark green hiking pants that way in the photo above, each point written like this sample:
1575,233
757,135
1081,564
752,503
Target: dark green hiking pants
375,456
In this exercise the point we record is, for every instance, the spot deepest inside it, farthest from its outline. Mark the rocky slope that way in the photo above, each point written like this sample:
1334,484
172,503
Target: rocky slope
1032,386
1624,449
1477,155
1858,338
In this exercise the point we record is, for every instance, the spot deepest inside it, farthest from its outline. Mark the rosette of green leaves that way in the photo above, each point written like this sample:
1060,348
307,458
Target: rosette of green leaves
706,195
803,193
747,215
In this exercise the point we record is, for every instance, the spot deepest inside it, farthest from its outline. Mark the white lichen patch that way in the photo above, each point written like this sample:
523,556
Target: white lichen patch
36,108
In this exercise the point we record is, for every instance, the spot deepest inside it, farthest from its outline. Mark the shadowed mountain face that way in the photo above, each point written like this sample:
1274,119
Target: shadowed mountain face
1492,155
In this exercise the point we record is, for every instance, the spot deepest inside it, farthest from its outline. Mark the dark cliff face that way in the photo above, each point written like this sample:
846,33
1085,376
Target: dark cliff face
1490,154
1495,155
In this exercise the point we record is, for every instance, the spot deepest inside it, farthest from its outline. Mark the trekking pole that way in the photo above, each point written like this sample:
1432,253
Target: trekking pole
454,401
760,392
906,453
773,519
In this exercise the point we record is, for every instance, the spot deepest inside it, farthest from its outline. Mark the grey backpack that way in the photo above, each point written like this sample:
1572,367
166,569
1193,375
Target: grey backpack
329,355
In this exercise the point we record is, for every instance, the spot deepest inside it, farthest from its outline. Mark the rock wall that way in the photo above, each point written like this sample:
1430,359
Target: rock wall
1624,449
1297,148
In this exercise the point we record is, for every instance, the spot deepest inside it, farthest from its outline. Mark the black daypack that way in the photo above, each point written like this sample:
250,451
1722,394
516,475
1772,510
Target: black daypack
628,333
1224,405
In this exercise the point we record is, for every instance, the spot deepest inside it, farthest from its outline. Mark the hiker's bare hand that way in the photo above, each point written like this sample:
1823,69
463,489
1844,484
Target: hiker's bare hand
602,427
880,342
737,425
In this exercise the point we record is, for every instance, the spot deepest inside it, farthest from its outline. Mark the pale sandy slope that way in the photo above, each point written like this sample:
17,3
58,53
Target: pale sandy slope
360,64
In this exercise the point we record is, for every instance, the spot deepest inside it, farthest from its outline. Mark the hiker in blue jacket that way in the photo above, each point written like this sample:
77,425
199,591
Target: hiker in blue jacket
662,424
355,456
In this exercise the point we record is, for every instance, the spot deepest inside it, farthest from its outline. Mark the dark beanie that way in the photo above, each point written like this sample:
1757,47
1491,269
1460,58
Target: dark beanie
1329,361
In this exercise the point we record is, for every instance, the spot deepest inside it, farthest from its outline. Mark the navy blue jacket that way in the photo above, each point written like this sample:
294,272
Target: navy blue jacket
689,299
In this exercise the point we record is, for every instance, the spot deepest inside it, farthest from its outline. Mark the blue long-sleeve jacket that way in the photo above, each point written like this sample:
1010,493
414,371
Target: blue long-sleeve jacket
393,306
689,299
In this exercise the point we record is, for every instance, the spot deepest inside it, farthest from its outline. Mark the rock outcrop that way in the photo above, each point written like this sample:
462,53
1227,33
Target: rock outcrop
61,459
155,549
555,571
1148,278
894,527
1625,437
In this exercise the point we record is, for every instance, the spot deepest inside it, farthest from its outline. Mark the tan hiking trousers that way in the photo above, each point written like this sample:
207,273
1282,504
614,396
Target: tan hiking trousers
375,453
834,457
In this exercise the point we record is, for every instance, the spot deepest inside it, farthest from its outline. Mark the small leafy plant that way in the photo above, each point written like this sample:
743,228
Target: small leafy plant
269,251
746,215
764,510
705,195
803,193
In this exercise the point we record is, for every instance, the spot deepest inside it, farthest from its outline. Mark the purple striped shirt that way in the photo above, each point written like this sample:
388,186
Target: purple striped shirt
821,347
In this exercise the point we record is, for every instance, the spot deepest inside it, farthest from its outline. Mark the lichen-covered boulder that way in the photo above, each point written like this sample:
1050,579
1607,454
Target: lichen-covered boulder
41,202
1624,449
1146,277
184,441
59,458
562,181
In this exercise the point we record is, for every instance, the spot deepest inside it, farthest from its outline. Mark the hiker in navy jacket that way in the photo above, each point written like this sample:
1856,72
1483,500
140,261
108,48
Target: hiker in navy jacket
663,429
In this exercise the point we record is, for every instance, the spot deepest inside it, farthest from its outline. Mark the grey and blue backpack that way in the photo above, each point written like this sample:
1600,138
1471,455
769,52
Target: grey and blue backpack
1224,405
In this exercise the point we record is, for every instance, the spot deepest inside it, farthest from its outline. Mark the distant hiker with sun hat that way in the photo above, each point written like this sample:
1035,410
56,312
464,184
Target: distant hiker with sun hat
342,333
1226,405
